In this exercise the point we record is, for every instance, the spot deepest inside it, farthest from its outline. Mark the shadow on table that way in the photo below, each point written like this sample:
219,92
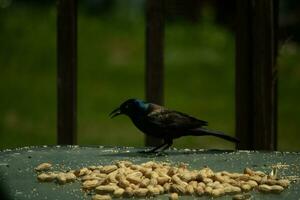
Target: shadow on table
4,190
141,153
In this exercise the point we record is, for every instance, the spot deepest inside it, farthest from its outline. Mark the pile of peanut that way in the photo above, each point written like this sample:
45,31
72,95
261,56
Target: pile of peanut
152,178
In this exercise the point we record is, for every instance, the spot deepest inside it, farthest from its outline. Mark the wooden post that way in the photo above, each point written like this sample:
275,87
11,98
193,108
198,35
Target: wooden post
66,71
154,56
256,74
243,76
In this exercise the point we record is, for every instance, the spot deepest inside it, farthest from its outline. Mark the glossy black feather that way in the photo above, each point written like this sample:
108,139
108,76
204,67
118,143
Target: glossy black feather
174,120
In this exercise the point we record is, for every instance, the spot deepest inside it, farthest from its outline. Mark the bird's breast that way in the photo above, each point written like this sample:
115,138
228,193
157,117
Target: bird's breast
143,125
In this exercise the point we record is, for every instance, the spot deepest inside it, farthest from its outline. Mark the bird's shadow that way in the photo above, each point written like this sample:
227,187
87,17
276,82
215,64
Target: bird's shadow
141,153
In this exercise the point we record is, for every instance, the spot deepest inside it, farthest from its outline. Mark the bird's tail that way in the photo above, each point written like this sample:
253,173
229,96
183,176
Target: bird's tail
203,131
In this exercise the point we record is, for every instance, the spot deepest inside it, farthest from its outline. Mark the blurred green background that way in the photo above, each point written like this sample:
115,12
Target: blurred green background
199,77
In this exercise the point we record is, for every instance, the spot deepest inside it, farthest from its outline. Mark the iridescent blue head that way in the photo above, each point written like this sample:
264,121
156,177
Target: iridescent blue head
131,107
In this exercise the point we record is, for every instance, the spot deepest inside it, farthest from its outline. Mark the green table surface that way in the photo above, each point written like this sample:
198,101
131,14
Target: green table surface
19,181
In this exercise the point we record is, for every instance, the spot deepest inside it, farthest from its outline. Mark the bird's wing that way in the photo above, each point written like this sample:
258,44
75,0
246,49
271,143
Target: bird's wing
174,120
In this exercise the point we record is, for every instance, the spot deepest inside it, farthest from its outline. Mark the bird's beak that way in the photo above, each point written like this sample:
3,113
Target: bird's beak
115,113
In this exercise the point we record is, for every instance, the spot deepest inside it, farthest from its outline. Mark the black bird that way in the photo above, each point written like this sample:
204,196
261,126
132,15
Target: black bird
159,122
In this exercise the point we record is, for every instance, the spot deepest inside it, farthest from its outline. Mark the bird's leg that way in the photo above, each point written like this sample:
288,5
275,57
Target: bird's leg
169,143
158,147
154,149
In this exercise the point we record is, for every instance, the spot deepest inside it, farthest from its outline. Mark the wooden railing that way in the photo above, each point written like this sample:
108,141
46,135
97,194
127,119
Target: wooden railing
256,72
66,71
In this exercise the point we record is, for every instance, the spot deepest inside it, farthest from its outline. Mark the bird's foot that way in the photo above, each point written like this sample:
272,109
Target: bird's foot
147,152
160,153
150,152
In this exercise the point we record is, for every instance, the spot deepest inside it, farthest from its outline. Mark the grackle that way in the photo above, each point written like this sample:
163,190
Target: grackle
159,122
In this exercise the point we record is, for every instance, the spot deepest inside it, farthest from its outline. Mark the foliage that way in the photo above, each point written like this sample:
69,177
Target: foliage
199,80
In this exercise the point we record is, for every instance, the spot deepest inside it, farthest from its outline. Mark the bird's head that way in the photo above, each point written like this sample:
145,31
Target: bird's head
131,108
